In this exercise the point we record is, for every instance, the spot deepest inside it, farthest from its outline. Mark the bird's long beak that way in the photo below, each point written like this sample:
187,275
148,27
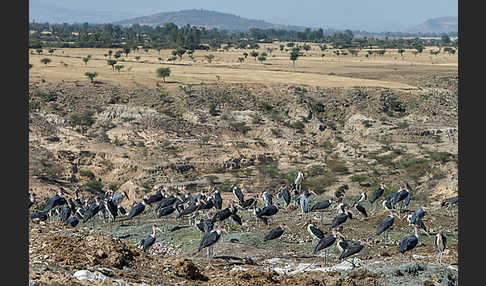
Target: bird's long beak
159,229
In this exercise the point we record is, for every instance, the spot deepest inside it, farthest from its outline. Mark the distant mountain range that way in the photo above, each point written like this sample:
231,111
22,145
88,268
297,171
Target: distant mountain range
44,12
436,25
207,19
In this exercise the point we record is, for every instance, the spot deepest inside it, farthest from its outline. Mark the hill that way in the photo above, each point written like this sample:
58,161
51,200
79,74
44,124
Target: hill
436,25
206,18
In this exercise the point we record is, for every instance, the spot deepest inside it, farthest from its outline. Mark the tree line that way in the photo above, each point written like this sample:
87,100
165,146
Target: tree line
170,36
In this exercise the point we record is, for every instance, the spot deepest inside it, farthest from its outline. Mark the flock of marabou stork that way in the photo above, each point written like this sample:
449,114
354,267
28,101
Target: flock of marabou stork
214,218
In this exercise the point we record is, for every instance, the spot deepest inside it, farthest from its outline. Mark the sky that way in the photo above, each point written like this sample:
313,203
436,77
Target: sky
367,15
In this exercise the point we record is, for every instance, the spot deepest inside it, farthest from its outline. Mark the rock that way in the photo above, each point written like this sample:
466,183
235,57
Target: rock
412,268
90,276
101,254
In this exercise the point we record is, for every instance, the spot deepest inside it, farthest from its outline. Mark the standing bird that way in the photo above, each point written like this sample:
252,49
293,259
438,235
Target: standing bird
285,195
208,241
448,203
340,219
267,198
360,209
249,203
362,197
315,232
190,210
321,206
238,194
111,208
342,244
65,213
54,202
218,201
385,225
266,213
236,218
325,243
441,243
352,250
377,194
137,210
275,233
145,243
92,210
299,177
386,205
409,243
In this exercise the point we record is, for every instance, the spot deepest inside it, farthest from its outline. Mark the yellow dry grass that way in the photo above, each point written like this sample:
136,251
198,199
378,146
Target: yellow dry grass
312,69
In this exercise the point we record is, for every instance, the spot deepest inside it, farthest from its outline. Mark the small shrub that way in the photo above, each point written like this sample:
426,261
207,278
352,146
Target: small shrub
87,173
240,126
93,186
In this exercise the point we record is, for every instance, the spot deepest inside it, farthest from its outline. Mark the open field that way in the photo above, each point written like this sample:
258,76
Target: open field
345,122
312,69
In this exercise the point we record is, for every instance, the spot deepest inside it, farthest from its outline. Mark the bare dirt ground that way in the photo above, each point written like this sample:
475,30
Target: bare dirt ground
342,120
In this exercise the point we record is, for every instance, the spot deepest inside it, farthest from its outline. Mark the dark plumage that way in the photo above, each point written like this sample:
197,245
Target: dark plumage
65,213
377,194
91,211
325,242
121,210
167,201
267,198
209,204
407,200
112,208
72,221
189,210
361,209
450,202
40,215
322,205
209,239
248,203
342,244
136,210
157,197
400,196
166,211
352,249
315,232
238,194
54,201
218,201
148,241
286,196
266,213
440,241
385,224
274,233
339,219
409,243
236,218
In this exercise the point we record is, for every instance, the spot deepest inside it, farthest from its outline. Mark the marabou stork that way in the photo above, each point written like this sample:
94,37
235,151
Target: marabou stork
409,242
448,203
218,200
249,203
238,194
236,218
321,206
55,201
208,241
137,210
377,194
325,243
352,250
72,221
360,209
206,225
299,177
39,215
285,195
385,225
342,243
65,213
315,232
441,243
267,212
267,198
111,208
276,232
92,210
145,243
340,219
190,210
167,201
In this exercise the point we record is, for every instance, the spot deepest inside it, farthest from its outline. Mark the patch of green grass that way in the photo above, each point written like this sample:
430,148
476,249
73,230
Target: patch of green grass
442,157
87,173
359,178
93,186
337,166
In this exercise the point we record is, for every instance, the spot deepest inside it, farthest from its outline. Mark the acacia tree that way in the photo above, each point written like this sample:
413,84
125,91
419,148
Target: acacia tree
118,54
254,54
112,63
110,52
209,57
137,58
126,51
163,72
401,51
294,54
245,54
119,67
86,60
45,61
240,59
91,75
262,58
180,52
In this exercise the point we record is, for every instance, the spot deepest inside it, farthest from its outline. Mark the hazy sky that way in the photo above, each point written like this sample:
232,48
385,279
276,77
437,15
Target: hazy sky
369,15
